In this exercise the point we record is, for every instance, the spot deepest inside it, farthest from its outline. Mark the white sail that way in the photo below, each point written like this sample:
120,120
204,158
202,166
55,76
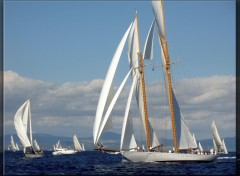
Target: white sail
184,137
133,58
133,48
83,147
194,140
109,110
200,147
224,147
159,16
36,146
17,148
19,125
215,146
106,87
76,143
153,136
148,47
127,136
12,144
216,136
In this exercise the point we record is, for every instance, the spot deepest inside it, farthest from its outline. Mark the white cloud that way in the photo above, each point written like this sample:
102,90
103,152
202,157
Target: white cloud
69,108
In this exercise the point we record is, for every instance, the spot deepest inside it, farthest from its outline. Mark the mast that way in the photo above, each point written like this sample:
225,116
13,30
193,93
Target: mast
141,69
167,67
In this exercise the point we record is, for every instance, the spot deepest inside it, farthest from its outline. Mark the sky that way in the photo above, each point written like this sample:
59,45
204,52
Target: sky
57,55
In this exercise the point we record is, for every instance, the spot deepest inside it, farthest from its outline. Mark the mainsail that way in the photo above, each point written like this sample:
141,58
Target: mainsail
20,123
181,133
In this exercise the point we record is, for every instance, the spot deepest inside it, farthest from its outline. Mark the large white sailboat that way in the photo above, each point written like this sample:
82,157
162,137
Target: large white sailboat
219,145
185,148
23,126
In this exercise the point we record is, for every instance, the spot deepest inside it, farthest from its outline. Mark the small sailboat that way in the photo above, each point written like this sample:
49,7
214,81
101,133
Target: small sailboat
59,150
184,144
77,146
23,126
219,145
13,146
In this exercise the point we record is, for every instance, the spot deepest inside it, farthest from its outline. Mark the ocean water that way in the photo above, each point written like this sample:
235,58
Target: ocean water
98,163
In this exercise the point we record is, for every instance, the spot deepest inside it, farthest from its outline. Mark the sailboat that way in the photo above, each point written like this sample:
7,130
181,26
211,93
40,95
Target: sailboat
219,145
184,144
23,126
77,146
59,150
13,146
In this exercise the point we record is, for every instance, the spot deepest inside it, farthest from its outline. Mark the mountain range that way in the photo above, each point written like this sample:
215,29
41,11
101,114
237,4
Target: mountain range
108,139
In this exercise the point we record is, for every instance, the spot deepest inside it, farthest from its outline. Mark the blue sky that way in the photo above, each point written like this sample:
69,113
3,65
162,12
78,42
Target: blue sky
61,41
56,51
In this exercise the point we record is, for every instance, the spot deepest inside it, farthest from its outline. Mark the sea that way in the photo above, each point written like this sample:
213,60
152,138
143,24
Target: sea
99,163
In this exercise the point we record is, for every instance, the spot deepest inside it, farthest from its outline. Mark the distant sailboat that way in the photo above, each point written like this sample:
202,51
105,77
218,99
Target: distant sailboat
184,144
23,126
59,150
77,145
219,145
12,146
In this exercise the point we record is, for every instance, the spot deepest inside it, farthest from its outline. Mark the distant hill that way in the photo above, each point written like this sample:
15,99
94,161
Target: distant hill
108,139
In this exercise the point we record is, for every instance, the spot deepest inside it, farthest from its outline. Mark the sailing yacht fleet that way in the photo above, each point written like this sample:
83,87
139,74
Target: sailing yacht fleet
185,146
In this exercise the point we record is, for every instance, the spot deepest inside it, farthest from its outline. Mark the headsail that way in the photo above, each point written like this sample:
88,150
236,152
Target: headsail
216,136
36,146
106,87
127,136
224,147
200,147
76,144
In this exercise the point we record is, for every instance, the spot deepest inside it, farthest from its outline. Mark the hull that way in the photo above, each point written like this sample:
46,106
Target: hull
136,156
64,152
109,151
32,155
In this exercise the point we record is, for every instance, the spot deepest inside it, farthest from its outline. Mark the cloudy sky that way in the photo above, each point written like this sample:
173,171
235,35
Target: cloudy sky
57,54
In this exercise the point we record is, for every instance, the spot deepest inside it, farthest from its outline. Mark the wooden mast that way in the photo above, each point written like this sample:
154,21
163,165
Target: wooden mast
141,69
167,67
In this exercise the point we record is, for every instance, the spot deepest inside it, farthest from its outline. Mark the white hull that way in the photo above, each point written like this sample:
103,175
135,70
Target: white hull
63,152
136,156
